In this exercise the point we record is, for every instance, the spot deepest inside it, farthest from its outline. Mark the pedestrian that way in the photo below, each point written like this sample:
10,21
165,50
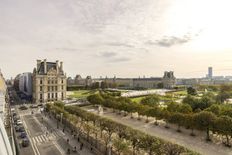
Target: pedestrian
78,139
81,146
71,132
63,129
68,151
75,149
67,140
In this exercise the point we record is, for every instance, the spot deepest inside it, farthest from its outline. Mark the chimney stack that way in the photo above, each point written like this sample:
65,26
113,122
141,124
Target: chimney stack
57,66
61,66
38,64
45,66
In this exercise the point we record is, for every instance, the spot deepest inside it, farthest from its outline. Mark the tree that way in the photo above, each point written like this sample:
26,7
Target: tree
204,120
173,107
151,144
120,145
224,94
166,116
206,101
215,108
223,126
160,85
185,109
154,112
192,101
172,149
191,91
189,122
152,100
135,139
177,118
95,99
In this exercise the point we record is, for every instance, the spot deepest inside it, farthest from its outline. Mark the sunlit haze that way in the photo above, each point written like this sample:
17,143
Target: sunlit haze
128,38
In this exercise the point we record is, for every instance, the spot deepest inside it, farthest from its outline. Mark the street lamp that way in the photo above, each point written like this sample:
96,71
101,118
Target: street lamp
57,121
61,116
110,145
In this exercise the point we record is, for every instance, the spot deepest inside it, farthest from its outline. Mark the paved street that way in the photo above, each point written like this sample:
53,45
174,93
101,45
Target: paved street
44,136
197,143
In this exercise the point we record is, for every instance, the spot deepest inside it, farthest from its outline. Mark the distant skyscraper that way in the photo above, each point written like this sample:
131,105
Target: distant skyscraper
210,72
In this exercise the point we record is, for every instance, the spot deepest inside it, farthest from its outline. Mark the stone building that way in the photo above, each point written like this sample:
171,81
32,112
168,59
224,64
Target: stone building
49,82
79,81
168,81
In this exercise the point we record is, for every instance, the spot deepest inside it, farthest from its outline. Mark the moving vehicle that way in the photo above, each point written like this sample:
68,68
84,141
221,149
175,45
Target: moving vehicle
19,122
23,107
34,106
25,142
23,135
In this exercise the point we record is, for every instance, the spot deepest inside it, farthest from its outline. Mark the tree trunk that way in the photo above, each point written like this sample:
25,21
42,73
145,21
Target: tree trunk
96,139
156,122
178,130
147,120
228,141
166,125
192,133
150,152
131,115
139,117
133,152
207,135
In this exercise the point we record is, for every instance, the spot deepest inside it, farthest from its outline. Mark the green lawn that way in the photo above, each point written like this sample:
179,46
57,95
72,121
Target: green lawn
137,99
163,98
184,92
80,93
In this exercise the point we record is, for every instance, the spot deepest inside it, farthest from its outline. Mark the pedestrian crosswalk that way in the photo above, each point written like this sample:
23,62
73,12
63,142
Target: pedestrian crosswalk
45,138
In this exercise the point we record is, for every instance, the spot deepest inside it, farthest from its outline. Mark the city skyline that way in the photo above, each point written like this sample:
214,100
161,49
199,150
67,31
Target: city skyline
126,39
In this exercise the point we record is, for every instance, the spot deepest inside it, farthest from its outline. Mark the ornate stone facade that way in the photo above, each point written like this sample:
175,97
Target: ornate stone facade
49,82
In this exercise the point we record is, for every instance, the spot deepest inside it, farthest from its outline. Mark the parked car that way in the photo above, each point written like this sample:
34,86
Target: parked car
16,118
14,114
21,129
23,107
17,128
23,135
34,106
25,142
19,122
40,104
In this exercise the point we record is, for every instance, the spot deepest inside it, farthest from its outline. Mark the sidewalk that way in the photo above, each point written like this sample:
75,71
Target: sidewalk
197,143
62,142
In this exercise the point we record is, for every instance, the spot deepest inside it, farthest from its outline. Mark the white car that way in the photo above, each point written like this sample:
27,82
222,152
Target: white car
19,122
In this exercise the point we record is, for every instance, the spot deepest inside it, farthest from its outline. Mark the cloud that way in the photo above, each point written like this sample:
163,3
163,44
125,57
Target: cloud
113,57
120,59
118,44
107,54
67,49
168,41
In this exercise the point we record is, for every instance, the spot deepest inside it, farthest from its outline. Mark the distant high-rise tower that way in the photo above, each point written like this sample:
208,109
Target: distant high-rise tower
210,72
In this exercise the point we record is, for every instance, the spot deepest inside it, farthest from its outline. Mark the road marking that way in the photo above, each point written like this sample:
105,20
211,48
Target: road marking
46,138
34,148
33,139
59,148
36,139
40,140
54,135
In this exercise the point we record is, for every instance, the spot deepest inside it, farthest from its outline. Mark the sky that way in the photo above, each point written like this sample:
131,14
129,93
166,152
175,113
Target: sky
129,38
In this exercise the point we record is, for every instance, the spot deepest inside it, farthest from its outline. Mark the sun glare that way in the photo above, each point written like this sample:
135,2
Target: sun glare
207,21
